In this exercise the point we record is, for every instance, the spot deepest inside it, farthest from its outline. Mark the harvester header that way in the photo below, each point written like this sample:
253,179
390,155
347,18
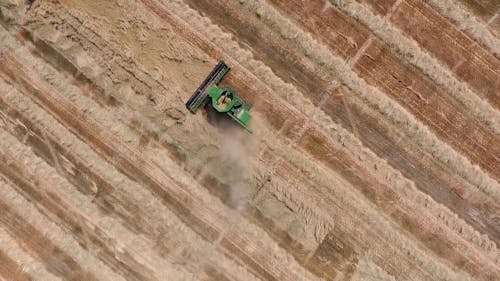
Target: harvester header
222,99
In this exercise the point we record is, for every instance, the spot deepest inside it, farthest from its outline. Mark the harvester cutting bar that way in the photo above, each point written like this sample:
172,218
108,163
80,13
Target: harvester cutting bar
200,95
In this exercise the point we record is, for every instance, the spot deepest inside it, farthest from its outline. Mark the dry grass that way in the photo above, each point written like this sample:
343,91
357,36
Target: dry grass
369,95
468,23
317,221
116,121
367,270
163,161
223,214
9,246
152,209
119,239
409,50
32,215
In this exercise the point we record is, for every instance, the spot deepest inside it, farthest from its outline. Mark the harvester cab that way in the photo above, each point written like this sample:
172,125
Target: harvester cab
222,99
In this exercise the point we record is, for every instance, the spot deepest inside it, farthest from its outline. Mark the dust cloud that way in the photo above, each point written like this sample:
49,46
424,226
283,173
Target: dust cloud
234,161
234,155
237,154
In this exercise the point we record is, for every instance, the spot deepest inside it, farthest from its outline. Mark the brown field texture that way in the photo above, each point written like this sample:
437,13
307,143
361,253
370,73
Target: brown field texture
375,153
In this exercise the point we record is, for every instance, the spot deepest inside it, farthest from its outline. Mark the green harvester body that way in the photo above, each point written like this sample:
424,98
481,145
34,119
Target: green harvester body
222,99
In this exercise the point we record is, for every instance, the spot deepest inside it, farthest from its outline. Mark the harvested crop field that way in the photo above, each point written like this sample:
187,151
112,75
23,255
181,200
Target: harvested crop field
375,153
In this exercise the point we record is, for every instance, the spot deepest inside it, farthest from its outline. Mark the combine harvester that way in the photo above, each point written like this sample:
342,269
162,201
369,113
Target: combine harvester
223,99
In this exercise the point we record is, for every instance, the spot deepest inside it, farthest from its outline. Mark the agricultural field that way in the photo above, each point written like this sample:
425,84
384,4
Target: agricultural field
375,152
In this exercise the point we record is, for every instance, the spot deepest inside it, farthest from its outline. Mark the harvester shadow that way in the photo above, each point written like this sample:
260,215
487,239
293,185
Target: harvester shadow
220,120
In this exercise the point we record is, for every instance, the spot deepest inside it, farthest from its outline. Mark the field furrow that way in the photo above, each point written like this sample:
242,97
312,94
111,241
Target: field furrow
112,192
485,33
462,55
209,224
409,51
426,102
18,198
374,153
391,110
124,257
414,90
35,243
16,263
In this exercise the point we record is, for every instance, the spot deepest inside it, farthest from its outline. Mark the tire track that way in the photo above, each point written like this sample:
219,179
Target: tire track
188,182
281,57
387,33
10,270
114,246
35,243
272,230
408,50
128,160
217,12
416,165
389,109
464,57
484,9
13,195
444,116
345,138
114,191
468,23
418,220
17,264
366,230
